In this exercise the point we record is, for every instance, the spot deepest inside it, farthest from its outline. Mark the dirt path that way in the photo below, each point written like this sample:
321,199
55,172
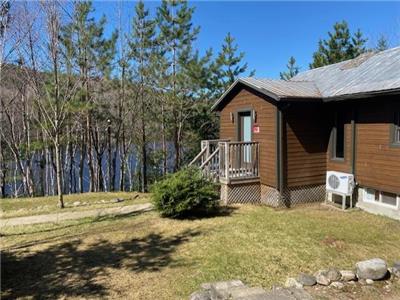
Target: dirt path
62,216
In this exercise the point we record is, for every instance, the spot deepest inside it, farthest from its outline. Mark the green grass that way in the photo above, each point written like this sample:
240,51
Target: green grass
147,257
19,207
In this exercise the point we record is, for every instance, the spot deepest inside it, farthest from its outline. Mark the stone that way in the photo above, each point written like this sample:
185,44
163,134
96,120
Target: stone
243,292
362,282
220,290
347,275
200,295
337,285
322,279
396,269
306,280
374,269
369,281
285,294
117,200
76,203
206,286
293,283
333,274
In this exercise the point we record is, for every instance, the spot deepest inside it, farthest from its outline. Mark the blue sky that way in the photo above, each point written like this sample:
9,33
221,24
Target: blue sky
270,32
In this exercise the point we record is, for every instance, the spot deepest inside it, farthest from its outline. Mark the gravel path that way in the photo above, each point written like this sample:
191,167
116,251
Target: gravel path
62,216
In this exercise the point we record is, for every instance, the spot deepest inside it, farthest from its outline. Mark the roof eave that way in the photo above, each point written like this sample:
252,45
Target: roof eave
240,81
362,95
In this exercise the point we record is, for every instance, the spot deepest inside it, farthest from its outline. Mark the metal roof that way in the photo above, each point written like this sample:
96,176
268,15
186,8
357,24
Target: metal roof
286,89
368,74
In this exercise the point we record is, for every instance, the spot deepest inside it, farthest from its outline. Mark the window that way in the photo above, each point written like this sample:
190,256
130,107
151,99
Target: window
338,137
374,196
389,198
371,195
396,139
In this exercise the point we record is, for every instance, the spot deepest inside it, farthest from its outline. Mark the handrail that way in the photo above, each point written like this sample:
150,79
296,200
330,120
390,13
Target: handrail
216,140
209,158
241,143
198,156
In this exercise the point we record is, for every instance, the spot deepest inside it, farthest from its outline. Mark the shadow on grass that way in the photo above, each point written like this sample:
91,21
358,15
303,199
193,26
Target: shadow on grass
222,211
79,222
68,270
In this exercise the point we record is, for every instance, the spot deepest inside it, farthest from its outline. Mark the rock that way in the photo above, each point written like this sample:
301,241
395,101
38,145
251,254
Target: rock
206,286
306,280
374,269
117,200
243,293
369,281
333,274
220,290
396,269
362,282
76,203
337,285
347,275
293,283
200,295
286,294
322,279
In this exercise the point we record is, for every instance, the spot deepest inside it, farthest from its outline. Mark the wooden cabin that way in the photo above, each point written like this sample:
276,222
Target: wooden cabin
278,139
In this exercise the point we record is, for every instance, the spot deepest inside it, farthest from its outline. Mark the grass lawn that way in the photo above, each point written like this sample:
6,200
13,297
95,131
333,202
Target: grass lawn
147,257
19,207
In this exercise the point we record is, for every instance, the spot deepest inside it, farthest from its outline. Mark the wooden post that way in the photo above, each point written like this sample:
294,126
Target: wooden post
227,160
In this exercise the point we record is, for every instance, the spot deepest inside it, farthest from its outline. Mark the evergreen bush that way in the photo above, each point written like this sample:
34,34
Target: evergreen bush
185,193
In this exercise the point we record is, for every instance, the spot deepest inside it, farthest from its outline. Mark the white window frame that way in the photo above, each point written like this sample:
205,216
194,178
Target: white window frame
379,202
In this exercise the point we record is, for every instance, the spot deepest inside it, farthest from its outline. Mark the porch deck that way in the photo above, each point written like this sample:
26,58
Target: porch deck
228,161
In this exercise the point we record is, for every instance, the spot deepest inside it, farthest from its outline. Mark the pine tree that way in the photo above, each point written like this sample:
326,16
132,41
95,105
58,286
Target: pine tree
142,43
177,34
382,43
358,44
339,46
228,66
92,54
292,69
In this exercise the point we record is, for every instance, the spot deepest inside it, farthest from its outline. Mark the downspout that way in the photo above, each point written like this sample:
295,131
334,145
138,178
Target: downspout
279,153
353,141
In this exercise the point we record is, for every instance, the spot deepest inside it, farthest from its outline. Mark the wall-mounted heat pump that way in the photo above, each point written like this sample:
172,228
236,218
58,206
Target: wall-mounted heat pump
340,183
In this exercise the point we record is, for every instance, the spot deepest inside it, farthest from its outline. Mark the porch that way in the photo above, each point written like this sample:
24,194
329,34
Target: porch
229,162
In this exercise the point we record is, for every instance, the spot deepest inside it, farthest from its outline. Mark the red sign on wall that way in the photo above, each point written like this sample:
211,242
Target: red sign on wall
256,129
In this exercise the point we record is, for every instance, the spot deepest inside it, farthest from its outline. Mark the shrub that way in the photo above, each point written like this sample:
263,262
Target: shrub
185,193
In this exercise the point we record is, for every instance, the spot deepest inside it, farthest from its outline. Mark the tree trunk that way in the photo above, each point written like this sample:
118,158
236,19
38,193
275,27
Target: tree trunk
59,171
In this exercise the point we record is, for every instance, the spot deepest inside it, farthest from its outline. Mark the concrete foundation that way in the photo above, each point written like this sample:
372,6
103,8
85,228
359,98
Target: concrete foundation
376,207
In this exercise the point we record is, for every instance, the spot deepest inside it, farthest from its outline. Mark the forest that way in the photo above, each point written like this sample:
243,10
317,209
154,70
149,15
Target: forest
86,111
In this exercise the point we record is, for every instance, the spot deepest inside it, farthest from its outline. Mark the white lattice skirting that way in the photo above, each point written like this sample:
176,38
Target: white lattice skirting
260,193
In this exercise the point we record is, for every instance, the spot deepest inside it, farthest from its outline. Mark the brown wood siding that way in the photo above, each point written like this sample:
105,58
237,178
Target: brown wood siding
377,161
346,164
266,120
306,144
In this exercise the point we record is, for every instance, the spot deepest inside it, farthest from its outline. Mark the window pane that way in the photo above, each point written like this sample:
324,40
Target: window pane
388,198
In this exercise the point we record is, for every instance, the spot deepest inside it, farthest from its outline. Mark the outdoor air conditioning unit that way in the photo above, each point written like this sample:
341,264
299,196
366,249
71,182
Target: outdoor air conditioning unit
340,183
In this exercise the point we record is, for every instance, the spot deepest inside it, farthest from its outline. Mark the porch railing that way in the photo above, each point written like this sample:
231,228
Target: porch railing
239,160
228,160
